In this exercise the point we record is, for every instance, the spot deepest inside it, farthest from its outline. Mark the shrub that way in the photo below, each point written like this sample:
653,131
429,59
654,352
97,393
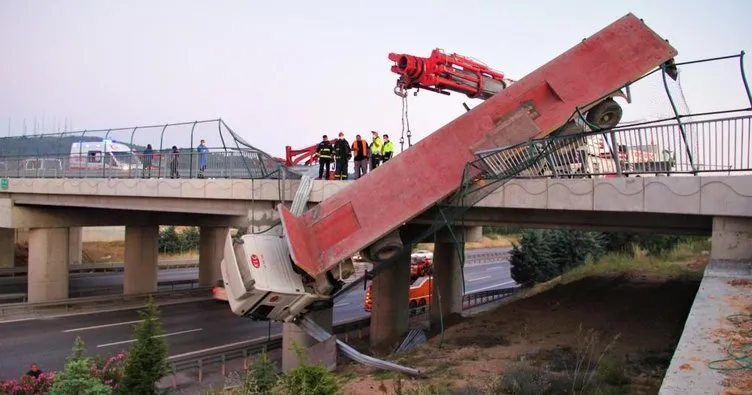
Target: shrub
146,362
169,241
77,378
308,379
28,385
261,378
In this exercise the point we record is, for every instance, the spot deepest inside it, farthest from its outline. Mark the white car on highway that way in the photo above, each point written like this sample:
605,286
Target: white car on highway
422,254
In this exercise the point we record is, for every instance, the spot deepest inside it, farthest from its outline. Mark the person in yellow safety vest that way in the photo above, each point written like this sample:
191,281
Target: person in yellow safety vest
324,152
387,150
375,147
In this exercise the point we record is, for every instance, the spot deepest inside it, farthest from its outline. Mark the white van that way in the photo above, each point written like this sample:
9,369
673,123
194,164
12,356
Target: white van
105,154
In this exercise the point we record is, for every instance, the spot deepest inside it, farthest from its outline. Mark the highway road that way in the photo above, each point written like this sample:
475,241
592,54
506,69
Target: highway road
81,282
188,328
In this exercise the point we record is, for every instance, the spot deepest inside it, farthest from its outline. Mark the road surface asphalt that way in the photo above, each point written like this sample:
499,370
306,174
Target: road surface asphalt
188,328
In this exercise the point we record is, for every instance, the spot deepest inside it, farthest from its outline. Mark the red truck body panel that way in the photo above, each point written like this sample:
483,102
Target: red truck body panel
432,169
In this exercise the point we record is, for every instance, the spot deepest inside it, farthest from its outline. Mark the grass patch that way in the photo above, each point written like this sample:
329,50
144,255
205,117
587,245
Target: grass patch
676,264
487,241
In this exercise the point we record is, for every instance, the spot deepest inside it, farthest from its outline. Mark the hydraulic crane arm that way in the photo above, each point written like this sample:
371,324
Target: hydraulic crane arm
441,73
365,215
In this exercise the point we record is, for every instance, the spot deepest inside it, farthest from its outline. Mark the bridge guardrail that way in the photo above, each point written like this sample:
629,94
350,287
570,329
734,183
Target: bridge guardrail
10,310
273,342
113,267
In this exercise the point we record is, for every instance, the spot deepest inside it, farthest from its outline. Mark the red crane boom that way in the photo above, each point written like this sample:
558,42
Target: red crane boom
441,72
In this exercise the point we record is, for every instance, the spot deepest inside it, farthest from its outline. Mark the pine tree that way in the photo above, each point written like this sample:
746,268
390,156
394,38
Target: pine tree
146,362
76,378
531,259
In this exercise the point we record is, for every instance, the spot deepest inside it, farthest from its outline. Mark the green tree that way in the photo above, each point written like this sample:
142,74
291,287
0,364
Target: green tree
76,379
146,362
170,241
531,259
572,248
191,238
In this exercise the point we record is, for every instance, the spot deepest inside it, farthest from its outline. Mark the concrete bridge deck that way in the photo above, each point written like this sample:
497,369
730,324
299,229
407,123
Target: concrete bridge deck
596,202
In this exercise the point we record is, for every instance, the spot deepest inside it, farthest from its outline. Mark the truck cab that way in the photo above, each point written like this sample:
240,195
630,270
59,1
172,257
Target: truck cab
258,286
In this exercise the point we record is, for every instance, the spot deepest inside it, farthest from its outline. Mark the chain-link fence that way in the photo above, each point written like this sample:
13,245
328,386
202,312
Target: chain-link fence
715,138
200,149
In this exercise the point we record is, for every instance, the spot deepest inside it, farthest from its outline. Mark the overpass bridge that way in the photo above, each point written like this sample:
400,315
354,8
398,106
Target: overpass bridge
667,175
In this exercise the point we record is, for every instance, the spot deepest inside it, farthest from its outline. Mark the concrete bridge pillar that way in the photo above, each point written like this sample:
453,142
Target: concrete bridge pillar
295,340
389,311
141,259
447,283
48,264
75,238
732,239
210,254
7,247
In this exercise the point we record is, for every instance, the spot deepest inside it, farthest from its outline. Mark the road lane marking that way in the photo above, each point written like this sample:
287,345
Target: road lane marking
162,335
499,267
341,304
476,279
493,286
100,326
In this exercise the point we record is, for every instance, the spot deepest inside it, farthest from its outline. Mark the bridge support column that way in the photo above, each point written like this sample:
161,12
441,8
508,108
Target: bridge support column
295,340
210,254
732,239
48,265
447,284
389,311
141,259
7,247
75,238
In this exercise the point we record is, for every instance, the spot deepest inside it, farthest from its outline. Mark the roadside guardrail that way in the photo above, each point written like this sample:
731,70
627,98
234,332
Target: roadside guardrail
251,348
30,310
173,285
116,267
113,267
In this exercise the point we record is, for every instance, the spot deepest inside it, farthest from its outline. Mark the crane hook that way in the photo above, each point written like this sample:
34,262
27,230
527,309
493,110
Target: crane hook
400,91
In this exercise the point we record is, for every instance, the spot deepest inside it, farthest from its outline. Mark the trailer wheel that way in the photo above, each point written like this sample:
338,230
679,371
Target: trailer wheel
606,114
385,248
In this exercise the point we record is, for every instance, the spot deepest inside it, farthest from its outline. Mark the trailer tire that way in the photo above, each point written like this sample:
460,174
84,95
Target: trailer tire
385,248
606,114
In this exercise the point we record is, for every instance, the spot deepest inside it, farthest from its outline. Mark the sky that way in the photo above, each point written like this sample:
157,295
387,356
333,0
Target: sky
285,73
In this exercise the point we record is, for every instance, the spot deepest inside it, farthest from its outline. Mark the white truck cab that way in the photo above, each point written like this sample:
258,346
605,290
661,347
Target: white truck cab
262,283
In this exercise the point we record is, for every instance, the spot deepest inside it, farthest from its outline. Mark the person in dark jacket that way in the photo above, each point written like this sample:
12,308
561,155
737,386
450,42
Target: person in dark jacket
324,152
148,157
342,156
174,161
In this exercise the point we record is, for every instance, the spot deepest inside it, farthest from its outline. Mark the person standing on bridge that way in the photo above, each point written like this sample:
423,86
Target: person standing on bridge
376,147
324,152
202,157
174,157
360,150
342,156
387,149
148,157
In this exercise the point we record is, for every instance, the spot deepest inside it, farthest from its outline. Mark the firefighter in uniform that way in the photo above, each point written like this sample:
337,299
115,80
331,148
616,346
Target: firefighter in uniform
375,148
342,155
324,152
387,149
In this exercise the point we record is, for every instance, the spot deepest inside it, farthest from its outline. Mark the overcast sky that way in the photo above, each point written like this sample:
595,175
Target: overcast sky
283,74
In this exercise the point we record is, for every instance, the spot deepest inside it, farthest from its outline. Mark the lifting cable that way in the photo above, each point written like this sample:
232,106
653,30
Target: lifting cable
405,123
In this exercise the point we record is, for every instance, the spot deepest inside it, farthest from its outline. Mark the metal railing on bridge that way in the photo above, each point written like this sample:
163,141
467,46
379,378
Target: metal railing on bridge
140,152
676,143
